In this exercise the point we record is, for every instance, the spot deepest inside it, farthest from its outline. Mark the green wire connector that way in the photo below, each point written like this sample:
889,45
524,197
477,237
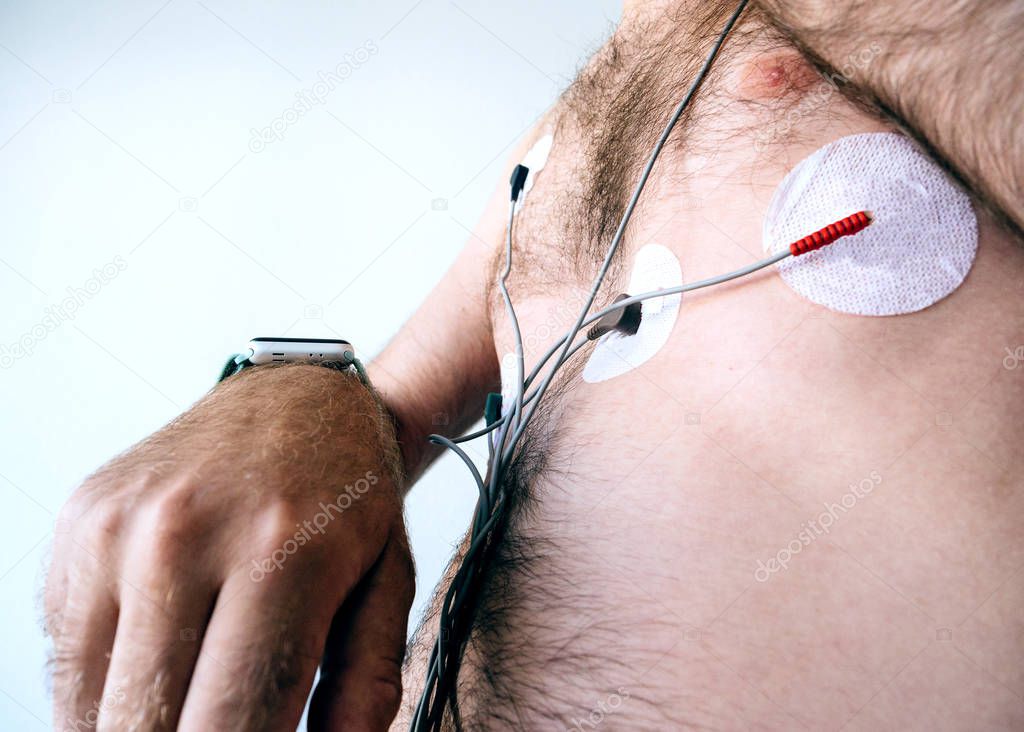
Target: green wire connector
492,408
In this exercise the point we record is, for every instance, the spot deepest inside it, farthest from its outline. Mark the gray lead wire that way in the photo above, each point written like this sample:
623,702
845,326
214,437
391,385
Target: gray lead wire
434,695
626,216
485,519
687,287
520,359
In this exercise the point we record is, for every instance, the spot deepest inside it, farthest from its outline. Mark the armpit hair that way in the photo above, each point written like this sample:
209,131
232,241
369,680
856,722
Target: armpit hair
528,590
622,101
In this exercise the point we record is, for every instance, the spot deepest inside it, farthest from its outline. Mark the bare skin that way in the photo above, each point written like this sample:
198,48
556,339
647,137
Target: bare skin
199,579
665,488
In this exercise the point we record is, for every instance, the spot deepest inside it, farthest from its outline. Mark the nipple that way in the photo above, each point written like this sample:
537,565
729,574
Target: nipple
775,75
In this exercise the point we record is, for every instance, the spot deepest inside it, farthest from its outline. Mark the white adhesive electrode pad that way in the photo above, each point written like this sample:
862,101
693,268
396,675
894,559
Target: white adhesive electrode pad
918,249
535,160
655,267
509,372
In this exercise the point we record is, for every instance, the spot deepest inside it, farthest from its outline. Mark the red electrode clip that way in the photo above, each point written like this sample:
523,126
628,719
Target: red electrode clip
823,237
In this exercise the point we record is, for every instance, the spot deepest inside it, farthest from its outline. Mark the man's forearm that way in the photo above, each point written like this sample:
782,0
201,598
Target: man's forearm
428,389
435,374
950,71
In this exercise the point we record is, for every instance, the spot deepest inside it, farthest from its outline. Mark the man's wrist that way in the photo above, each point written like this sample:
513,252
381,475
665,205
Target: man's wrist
409,420
306,400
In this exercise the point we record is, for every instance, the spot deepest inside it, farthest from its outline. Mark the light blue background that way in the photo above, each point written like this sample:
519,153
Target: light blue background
125,131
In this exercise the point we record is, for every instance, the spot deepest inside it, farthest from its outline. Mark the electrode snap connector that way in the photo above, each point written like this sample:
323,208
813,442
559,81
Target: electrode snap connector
625,320
517,180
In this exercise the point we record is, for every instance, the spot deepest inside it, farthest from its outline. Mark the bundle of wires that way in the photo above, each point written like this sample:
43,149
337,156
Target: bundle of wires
506,431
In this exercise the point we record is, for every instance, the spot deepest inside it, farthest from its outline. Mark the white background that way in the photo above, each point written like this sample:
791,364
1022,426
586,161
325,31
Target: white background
125,132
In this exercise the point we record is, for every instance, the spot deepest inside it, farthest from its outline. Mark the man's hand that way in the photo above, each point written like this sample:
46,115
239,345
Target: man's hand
200,578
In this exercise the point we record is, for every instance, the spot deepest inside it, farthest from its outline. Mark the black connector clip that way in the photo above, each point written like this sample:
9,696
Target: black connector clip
518,180
492,409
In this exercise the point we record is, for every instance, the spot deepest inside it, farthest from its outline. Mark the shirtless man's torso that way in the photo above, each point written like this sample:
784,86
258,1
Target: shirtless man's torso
786,518
627,588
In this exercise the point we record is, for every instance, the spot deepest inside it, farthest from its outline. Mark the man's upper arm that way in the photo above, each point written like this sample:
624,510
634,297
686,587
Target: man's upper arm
435,374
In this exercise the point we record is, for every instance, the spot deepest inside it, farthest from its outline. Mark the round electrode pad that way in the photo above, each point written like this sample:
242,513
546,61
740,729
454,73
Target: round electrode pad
655,267
509,372
918,249
535,160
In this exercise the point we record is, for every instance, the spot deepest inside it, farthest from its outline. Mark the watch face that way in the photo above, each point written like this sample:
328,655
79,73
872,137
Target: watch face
302,340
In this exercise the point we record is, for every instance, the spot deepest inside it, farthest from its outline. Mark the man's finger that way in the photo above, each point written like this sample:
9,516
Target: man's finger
155,649
360,684
83,633
260,653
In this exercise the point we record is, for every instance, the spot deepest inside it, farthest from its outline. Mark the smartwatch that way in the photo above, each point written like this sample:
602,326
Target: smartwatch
332,353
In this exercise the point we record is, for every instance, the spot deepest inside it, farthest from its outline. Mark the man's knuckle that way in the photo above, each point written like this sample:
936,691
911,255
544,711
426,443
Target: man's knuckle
379,679
102,525
386,686
178,502
168,521
278,524
71,510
